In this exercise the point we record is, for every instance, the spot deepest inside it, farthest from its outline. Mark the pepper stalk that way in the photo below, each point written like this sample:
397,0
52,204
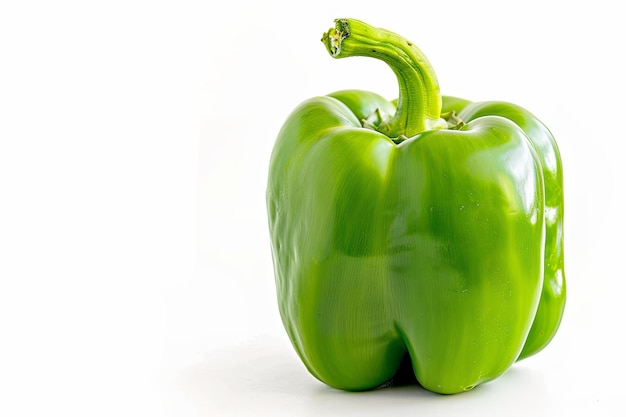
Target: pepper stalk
419,99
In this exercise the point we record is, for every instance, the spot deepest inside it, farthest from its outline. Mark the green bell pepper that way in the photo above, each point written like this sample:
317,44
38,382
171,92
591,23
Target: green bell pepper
425,232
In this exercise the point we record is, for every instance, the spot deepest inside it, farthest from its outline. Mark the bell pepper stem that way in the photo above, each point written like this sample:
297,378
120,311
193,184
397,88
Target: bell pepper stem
419,99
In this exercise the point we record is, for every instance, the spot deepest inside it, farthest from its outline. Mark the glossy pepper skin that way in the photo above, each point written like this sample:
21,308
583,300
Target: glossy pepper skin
425,229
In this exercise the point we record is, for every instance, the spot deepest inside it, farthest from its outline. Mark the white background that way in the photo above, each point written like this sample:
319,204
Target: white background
135,269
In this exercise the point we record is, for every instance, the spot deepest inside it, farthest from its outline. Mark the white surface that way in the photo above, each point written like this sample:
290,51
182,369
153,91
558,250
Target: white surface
135,269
